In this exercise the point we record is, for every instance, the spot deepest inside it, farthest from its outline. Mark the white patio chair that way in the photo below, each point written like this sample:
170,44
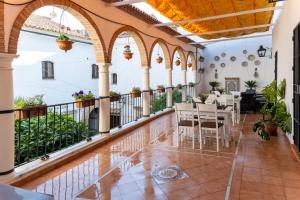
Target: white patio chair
209,125
186,121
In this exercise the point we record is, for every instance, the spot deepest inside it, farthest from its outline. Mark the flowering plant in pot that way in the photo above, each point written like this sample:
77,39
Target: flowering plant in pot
84,99
114,96
64,43
136,92
160,88
274,112
30,107
127,52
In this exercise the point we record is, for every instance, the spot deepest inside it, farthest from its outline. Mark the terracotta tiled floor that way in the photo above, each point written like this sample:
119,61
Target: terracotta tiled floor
122,168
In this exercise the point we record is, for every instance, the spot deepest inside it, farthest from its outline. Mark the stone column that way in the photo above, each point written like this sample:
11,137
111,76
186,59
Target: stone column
104,102
195,81
7,122
184,82
169,91
146,87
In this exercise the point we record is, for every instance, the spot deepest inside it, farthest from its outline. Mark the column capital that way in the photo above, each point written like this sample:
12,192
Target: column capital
6,60
146,67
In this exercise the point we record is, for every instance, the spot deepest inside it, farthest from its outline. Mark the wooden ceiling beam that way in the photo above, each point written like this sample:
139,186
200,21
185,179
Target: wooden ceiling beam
123,3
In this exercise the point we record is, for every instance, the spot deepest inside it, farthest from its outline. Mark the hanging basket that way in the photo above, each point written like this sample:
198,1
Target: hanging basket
159,59
128,55
177,62
190,65
160,89
65,45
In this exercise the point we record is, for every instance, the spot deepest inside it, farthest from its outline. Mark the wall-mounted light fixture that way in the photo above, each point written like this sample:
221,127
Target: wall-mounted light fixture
256,73
262,51
201,59
216,74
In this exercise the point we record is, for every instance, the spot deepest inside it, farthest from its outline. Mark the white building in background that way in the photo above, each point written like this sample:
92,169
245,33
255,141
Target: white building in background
73,70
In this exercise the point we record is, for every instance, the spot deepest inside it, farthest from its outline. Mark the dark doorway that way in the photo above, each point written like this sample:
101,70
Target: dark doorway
296,85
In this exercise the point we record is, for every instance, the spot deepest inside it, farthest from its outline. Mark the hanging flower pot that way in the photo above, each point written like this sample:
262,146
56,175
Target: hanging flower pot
64,43
159,59
160,88
177,62
189,65
127,52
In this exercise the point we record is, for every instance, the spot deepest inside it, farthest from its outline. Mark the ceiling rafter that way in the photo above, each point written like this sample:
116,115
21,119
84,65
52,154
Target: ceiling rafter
123,3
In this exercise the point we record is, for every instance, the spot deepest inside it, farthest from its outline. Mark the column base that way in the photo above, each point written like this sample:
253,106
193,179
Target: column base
7,172
105,132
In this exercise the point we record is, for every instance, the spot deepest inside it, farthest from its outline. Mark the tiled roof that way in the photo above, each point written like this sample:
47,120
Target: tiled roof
43,23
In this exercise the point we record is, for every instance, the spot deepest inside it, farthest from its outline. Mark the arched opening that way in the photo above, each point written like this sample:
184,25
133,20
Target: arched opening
191,67
179,64
44,69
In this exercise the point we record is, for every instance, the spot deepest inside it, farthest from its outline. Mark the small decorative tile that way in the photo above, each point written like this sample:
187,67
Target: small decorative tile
168,173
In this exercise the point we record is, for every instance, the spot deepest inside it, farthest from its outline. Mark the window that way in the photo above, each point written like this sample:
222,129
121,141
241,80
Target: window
114,78
95,71
47,70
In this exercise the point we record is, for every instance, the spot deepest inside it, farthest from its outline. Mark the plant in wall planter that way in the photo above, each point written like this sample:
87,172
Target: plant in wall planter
191,84
177,62
214,85
30,107
251,85
274,112
114,96
127,52
179,86
84,99
136,92
159,59
64,43
160,88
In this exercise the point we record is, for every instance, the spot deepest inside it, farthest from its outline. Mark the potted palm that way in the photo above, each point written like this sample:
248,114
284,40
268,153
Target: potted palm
127,52
83,100
274,112
214,85
30,107
64,43
160,88
251,85
114,96
136,92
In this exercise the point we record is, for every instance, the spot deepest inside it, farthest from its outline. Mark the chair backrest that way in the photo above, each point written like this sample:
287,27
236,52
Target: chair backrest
184,111
229,98
210,99
207,112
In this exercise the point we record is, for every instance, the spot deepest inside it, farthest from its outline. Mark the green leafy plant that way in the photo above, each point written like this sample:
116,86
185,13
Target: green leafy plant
250,84
221,90
160,102
214,85
203,97
114,94
63,37
135,90
274,111
21,102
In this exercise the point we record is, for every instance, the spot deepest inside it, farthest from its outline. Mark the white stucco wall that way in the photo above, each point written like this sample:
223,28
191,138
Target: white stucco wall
235,69
283,43
73,70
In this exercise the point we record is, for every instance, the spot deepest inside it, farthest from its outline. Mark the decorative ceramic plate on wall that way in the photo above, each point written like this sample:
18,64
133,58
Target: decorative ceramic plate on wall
233,58
245,64
245,51
223,65
212,65
223,54
257,62
217,58
251,57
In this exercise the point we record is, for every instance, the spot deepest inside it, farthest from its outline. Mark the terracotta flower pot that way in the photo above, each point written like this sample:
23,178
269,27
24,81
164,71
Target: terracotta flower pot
85,103
159,59
161,89
114,98
65,45
135,94
189,65
30,112
271,128
128,55
177,62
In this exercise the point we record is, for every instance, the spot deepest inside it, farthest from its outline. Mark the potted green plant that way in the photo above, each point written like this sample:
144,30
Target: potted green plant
179,86
251,85
30,107
84,99
160,88
274,112
203,97
191,84
136,92
114,96
64,43
221,90
214,85
127,52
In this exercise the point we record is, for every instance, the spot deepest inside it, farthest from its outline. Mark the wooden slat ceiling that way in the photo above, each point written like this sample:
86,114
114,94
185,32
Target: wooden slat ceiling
178,10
